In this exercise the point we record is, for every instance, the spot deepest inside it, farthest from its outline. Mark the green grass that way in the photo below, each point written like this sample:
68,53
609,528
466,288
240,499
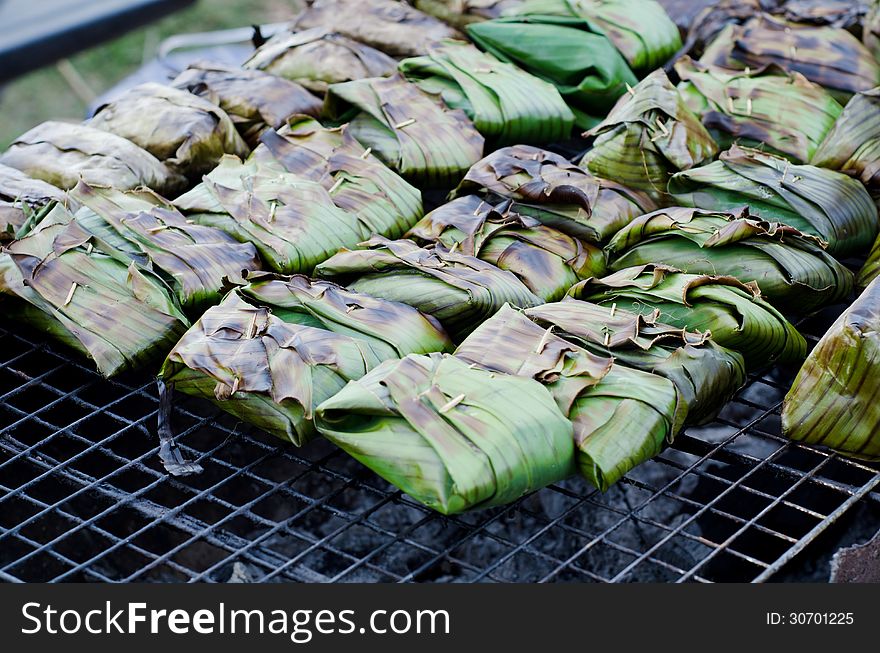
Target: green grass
45,95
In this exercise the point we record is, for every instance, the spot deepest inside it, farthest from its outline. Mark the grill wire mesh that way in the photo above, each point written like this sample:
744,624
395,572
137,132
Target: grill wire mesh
83,497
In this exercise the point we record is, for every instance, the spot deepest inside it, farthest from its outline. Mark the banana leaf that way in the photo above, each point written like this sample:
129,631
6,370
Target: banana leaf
833,401
292,222
871,29
21,199
571,53
387,25
357,181
768,107
706,374
641,30
451,436
871,269
554,191
409,130
649,135
813,200
708,21
263,370
196,261
60,282
254,100
459,291
61,154
461,13
828,56
507,105
731,311
621,416
547,261
846,14
316,58
793,271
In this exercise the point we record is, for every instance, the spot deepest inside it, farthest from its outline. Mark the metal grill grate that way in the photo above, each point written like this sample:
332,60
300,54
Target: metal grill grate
84,497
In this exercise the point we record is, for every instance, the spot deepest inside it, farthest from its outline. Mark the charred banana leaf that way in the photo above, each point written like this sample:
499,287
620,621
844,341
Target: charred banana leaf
21,200
461,13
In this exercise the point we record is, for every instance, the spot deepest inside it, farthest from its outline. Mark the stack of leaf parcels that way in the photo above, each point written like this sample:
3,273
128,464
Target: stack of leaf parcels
21,199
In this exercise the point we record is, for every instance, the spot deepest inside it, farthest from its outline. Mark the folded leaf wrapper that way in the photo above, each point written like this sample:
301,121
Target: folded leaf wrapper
507,105
458,290
554,191
197,262
317,58
833,401
411,131
254,100
61,154
21,199
59,282
732,312
813,200
621,416
649,135
793,271
871,269
187,132
547,261
461,13
768,107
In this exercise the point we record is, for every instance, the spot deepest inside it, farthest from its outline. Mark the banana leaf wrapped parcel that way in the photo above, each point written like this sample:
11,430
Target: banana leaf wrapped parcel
277,347
316,58
551,189
547,261
461,13
765,107
450,435
254,100
833,401
196,262
793,271
649,135
871,269
459,291
22,198
506,104
60,281
61,154
292,222
621,416
187,132
409,130
813,200
732,312
387,25
357,181
706,374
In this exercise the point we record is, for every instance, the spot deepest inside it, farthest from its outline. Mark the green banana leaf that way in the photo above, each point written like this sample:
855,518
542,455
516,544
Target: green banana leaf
507,105
793,271
409,130
649,135
621,416
60,282
461,13
766,107
316,58
21,200
292,222
547,261
871,269
731,311
554,191
387,25
357,181
451,436
815,201
459,291
828,56
571,53
196,262
641,30
187,132
833,401
61,154
254,100
706,374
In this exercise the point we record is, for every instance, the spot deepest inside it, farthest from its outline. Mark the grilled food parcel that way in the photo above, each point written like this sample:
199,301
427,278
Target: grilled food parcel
22,198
